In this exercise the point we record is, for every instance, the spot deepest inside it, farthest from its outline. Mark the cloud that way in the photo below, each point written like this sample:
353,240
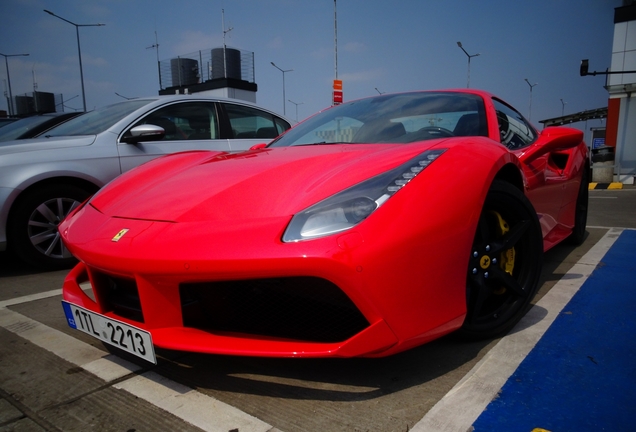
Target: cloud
322,53
193,41
362,76
275,43
94,61
349,47
354,47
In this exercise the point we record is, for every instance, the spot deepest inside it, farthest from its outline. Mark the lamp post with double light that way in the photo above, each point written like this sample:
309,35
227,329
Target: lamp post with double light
459,44
296,103
531,87
79,51
283,71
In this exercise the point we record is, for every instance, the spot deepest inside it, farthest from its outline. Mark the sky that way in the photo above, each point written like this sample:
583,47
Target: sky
383,46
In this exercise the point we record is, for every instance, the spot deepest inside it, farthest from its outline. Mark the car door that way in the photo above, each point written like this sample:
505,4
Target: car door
189,125
250,125
545,181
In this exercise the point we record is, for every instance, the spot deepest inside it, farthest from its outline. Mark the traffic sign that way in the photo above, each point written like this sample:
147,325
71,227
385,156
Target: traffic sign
337,97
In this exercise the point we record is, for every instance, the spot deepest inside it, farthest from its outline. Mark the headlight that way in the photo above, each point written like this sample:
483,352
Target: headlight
346,209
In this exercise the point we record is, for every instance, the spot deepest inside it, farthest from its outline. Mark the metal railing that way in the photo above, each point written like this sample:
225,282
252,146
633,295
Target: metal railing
206,65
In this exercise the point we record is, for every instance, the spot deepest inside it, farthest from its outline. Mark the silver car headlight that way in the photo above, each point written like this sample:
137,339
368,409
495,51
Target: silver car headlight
348,208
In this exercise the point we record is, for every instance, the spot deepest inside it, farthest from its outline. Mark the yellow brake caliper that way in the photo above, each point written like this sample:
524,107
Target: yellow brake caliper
507,257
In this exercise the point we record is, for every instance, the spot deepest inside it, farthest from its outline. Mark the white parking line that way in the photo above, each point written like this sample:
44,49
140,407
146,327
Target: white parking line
105,366
196,408
29,298
460,407
188,404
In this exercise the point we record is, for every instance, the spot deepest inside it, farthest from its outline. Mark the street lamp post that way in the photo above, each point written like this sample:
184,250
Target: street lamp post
459,44
283,71
79,51
562,107
6,62
296,103
530,109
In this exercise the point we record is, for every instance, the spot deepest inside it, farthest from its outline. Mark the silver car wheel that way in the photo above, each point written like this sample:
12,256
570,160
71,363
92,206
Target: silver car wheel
43,223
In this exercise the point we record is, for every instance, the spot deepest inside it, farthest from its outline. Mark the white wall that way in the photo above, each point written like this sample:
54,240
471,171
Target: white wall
624,53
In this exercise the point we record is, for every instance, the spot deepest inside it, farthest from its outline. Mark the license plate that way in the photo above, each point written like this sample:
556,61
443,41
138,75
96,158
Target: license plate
119,334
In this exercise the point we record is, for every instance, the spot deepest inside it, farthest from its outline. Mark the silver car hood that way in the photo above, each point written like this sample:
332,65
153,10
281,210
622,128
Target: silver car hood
36,144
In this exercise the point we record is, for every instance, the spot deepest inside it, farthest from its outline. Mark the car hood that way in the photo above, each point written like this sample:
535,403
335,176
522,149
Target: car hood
267,183
37,144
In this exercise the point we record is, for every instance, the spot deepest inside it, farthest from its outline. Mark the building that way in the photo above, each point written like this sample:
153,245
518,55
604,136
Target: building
621,109
224,72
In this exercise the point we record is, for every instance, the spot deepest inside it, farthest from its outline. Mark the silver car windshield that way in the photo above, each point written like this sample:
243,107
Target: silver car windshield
94,122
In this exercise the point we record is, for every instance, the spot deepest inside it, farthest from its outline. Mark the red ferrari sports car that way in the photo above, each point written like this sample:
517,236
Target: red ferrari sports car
370,228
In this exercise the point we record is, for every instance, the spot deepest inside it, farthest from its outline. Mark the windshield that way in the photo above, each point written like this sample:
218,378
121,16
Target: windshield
397,118
17,128
94,122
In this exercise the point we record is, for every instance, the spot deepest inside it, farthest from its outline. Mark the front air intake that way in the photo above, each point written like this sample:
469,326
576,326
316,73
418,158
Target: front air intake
298,308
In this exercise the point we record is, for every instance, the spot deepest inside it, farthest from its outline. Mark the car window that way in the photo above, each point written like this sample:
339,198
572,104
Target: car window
514,131
15,129
336,130
281,125
97,121
185,121
6,121
399,118
248,122
34,126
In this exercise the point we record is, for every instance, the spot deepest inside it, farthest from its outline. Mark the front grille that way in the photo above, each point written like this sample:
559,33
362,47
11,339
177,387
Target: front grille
118,295
300,308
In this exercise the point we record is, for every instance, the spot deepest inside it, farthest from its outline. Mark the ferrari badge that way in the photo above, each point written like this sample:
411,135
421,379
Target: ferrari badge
119,235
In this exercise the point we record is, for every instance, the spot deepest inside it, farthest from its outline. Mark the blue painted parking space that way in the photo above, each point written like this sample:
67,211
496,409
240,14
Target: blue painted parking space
581,375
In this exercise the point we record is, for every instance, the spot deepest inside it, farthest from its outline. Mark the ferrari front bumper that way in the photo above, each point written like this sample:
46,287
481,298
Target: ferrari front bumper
165,324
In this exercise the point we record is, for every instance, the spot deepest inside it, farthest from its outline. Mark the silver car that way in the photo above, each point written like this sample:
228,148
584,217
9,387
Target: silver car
43,179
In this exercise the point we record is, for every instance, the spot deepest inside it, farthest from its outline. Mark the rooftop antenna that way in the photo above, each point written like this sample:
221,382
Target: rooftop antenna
35,88
156,47
224,46
35,84
335,38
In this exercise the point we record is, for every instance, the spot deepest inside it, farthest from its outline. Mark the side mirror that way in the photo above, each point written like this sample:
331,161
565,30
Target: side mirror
145,132
258,146
552,139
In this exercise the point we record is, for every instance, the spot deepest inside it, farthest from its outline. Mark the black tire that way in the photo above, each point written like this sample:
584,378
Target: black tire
580,218
32,230
505,263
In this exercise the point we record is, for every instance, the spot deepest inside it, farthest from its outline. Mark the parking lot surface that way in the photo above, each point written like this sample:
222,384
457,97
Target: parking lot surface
56,378
581,374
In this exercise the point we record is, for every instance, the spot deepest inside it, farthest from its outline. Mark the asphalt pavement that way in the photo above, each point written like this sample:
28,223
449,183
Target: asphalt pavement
581,374
570,364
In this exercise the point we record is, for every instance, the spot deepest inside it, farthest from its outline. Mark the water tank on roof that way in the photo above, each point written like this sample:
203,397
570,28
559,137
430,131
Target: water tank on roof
184,71
232,63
